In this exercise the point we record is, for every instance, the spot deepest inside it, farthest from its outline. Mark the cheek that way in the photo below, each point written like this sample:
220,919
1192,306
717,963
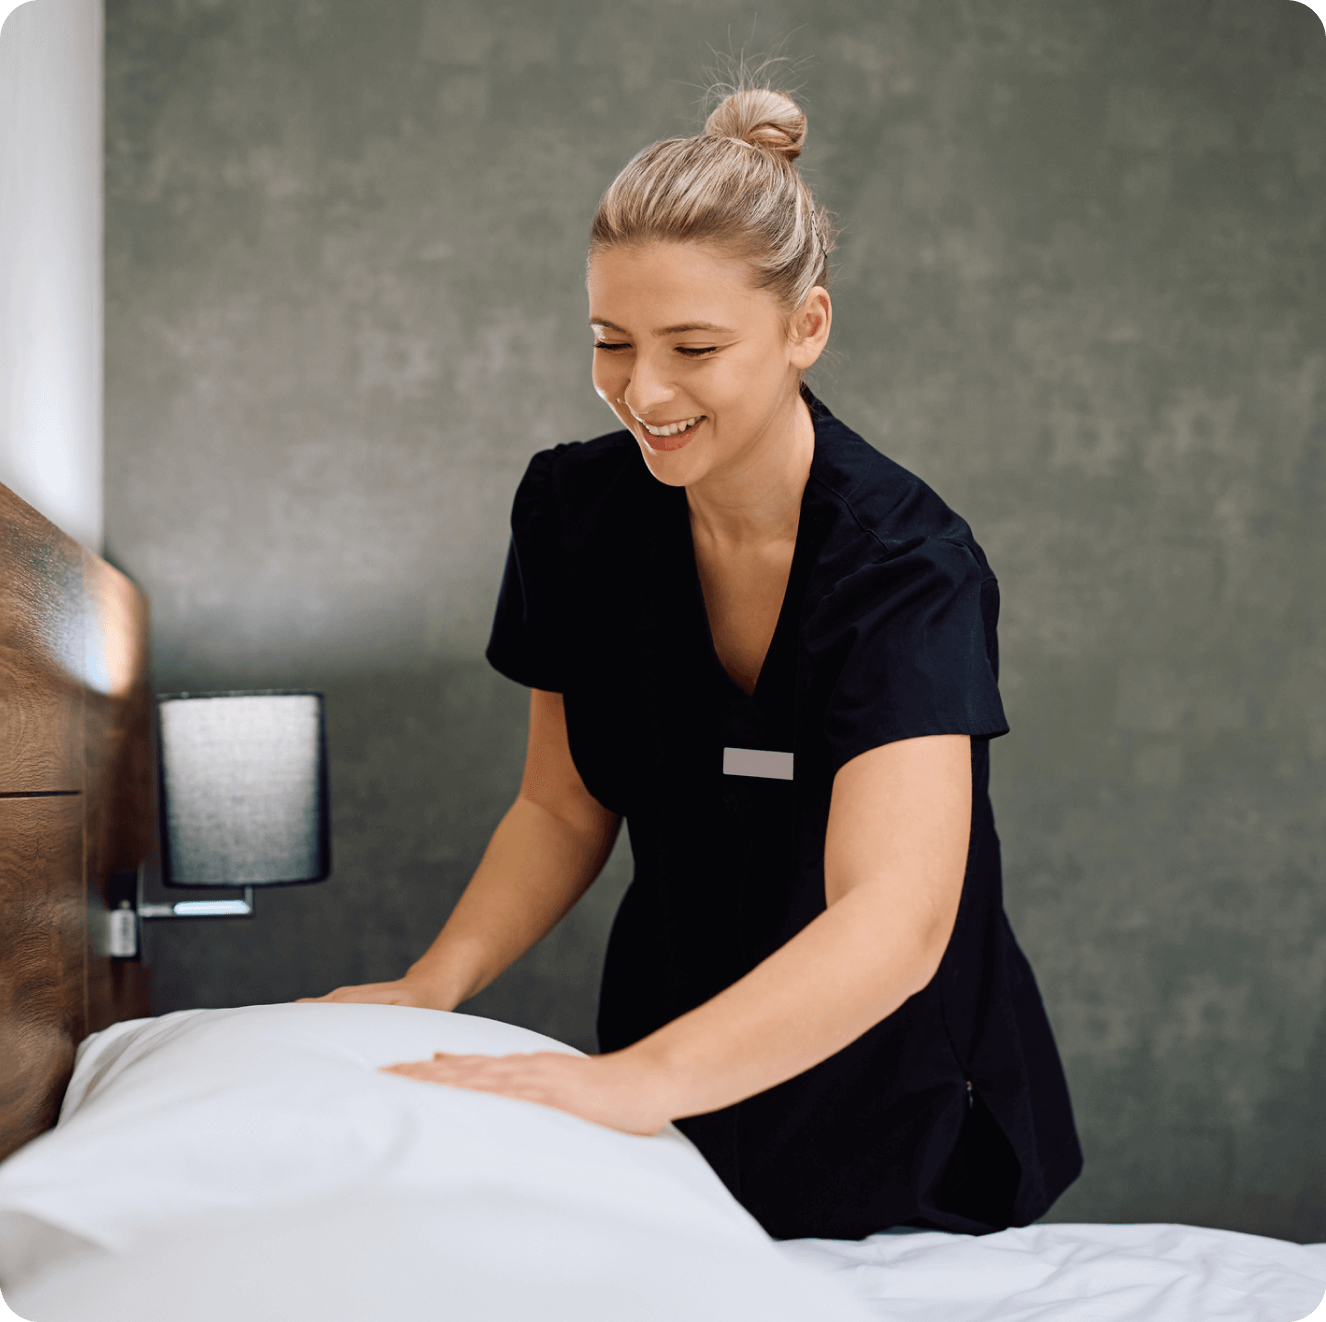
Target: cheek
606,375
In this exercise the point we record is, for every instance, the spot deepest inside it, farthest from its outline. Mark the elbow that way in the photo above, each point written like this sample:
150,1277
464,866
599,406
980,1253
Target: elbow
934,946
933,933
929,972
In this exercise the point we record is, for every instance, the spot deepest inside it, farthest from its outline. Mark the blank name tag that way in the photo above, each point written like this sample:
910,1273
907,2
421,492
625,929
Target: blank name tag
757,762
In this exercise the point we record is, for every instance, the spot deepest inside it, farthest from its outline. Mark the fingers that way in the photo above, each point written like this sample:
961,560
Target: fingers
373,993
484,1073
356,995
420,1069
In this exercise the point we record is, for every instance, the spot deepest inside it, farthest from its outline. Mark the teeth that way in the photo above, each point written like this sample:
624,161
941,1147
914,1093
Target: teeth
673,429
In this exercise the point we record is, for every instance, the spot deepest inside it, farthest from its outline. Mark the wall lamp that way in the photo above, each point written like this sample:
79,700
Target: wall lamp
243,803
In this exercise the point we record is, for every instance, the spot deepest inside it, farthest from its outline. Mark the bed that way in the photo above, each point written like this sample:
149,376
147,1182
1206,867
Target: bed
255,1163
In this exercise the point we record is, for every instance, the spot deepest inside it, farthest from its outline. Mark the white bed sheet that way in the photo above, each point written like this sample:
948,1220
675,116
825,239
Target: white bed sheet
1077,1273
1086,1273
330,1192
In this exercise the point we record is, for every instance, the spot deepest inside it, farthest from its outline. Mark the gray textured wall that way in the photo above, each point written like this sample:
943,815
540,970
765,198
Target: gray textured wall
1081,293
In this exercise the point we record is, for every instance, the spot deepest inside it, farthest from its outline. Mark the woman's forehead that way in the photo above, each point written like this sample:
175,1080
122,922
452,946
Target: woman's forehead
669,289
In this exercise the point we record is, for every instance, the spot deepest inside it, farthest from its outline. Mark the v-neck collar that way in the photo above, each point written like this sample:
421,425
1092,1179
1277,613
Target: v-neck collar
791,593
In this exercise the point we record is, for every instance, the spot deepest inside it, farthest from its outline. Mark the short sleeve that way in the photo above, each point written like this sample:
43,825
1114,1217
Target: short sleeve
911,638
528,627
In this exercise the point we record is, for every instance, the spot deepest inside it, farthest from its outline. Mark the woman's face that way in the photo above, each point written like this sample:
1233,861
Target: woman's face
680,337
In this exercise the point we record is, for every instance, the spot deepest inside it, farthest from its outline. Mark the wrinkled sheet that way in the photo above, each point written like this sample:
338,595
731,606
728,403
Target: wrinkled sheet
389,1259
1077,1273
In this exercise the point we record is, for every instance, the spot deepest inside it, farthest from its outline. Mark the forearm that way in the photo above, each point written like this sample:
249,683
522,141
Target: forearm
851,967
534,870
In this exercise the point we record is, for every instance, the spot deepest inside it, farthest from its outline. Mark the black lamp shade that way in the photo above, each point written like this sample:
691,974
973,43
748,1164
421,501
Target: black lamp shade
244,789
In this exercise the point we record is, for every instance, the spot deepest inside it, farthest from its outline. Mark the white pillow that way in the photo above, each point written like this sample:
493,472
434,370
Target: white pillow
266,1138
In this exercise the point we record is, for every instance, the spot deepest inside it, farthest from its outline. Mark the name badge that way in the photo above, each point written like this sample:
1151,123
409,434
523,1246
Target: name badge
757,762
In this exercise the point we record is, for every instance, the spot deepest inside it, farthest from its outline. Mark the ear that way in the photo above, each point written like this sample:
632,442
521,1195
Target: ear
809,328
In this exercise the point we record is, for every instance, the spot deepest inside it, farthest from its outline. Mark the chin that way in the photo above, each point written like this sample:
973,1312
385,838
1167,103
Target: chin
670,469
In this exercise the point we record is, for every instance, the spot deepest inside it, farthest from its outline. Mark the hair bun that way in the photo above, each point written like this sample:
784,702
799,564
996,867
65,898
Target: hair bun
763,118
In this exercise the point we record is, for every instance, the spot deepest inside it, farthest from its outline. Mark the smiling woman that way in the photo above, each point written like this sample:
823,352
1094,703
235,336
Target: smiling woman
772,651
735,378
717,242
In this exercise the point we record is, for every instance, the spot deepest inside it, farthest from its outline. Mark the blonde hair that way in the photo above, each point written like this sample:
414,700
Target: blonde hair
735,186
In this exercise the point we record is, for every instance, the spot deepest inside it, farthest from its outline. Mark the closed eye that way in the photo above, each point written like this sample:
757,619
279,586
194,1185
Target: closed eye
613,347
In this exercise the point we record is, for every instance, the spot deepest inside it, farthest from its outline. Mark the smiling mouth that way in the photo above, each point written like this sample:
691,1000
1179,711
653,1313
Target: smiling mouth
673,429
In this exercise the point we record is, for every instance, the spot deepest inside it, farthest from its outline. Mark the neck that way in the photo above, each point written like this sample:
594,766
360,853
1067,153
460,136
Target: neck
757,499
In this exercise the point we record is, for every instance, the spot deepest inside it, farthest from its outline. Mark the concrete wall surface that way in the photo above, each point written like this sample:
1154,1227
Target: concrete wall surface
1081,291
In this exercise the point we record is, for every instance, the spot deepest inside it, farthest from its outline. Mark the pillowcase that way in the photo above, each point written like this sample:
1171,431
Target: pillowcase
193,1148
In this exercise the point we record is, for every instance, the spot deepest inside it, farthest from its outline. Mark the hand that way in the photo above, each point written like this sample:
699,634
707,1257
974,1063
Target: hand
609,1090
404,991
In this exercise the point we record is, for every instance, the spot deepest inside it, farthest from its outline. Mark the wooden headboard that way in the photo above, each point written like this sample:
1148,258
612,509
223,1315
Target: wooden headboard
77,800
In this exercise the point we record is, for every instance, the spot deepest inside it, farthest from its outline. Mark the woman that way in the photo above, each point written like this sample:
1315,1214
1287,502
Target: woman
773,651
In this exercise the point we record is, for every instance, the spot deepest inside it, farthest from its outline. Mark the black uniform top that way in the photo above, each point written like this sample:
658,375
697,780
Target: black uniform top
953,1112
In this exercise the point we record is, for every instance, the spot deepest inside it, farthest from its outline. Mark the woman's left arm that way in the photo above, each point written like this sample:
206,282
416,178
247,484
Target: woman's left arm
895,856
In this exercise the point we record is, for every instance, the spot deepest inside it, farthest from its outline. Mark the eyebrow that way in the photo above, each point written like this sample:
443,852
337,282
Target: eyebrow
667,330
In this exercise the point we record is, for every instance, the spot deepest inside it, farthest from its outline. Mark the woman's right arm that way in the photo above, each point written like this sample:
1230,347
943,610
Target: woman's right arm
545,853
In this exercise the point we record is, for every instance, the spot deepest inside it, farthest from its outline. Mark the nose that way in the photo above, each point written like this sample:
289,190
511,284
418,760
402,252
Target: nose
647,390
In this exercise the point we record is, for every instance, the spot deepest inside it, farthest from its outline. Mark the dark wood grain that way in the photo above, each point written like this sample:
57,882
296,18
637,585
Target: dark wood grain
42,652
77,800
42,1017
